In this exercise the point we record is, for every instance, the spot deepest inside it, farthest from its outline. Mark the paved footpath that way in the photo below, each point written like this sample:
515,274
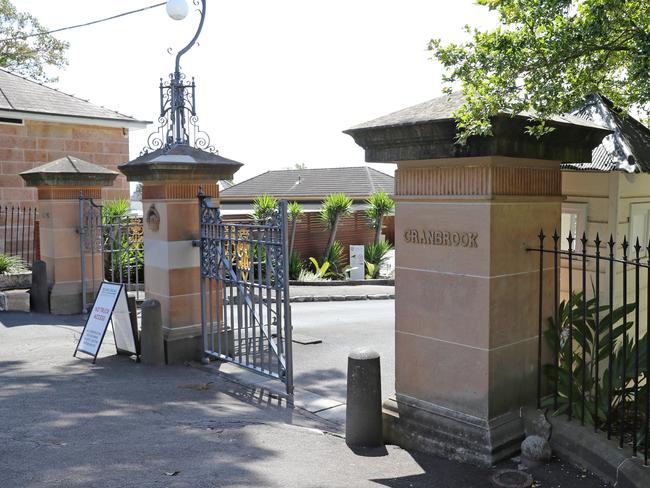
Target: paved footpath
67,423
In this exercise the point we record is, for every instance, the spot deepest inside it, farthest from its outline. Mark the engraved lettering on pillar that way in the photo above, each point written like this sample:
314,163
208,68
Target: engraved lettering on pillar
441,238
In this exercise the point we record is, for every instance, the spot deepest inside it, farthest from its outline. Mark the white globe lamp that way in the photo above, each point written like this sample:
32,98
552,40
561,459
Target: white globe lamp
177,9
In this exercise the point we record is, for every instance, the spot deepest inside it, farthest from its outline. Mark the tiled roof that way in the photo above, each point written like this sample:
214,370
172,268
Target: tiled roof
627,149
359,182
18,94
443,108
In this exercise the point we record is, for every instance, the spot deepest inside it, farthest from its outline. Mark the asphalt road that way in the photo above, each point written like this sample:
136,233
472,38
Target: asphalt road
342,326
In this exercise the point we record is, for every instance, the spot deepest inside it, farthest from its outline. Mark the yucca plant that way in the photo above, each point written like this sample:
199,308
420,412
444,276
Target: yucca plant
11,264
294,209
379,205
263,208
376,254
334,207
113,210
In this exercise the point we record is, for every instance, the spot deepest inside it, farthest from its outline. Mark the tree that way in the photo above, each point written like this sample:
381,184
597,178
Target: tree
263,207
334,207
295,211
546,56
25,46
379,205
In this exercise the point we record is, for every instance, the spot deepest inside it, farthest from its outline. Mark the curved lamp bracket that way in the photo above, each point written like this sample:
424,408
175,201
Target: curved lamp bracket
201,9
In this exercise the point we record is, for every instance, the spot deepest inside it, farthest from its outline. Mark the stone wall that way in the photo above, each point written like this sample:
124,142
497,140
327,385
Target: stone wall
34,143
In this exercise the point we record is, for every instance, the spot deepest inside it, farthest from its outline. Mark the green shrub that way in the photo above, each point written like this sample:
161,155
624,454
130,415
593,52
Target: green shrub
571,360
337,264
113,209
376,253
11,264
323,270
296,266
306,275
123,253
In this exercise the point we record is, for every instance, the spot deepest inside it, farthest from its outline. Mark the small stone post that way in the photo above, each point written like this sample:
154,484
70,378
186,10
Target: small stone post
151,339
363,409
39,293
59,185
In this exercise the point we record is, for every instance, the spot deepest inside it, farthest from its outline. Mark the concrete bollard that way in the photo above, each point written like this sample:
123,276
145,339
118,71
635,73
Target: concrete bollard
363,423
39,294
151,339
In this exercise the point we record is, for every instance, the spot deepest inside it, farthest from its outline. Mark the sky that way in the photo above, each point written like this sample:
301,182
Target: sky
277,81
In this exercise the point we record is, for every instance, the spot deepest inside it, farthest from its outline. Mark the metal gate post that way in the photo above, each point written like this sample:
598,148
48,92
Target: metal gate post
285,296
204,330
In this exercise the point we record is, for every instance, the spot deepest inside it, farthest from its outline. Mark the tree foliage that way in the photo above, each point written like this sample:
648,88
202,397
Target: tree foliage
546,56
23,52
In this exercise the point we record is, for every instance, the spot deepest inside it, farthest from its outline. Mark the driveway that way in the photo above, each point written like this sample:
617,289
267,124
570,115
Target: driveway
342,327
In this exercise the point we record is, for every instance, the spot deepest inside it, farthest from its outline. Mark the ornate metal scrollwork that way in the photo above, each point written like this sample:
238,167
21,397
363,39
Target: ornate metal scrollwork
178,123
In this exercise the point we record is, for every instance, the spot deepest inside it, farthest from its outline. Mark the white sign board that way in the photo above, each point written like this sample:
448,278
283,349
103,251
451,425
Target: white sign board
110,304
357,263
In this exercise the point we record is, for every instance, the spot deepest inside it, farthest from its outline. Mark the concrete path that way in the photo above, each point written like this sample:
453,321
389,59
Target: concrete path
324,293
66,423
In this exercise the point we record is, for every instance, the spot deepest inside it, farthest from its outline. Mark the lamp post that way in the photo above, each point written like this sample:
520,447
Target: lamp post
178,163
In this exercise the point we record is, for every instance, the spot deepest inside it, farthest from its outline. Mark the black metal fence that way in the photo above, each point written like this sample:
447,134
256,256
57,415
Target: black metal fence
593,352
17,225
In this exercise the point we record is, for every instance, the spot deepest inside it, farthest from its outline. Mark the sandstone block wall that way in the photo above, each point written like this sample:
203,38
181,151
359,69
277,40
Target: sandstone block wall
34,143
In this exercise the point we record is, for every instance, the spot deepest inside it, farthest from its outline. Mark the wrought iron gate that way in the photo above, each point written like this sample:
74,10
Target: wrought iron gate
245,310
119,240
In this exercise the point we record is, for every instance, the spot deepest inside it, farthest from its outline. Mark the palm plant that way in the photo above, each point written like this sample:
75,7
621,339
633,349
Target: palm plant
263,207
334,207
295,211
379,205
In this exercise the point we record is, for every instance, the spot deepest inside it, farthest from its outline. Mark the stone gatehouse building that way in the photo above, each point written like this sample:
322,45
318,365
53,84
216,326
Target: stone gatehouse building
39,124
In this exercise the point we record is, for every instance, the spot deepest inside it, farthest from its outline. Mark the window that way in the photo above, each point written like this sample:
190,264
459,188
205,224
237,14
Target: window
8,120
574,220
639,220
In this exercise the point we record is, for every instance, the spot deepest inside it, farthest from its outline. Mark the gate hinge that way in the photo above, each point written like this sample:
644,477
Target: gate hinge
196,243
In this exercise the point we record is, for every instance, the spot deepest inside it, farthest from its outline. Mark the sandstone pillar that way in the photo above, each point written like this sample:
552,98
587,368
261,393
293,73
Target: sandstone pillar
59,185
171,179
466,327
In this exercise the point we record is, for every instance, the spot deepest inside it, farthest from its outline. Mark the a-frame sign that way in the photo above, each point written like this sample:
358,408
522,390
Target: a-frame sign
110,305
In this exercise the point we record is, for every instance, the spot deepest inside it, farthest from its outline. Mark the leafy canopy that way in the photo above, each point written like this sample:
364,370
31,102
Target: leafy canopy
546,56
28,56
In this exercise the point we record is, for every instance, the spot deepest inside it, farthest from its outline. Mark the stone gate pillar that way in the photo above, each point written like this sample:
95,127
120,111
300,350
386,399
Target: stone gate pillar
466,316
171,178
59,185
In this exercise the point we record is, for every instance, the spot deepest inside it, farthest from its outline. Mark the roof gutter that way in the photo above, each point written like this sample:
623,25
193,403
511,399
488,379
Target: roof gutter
75,119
